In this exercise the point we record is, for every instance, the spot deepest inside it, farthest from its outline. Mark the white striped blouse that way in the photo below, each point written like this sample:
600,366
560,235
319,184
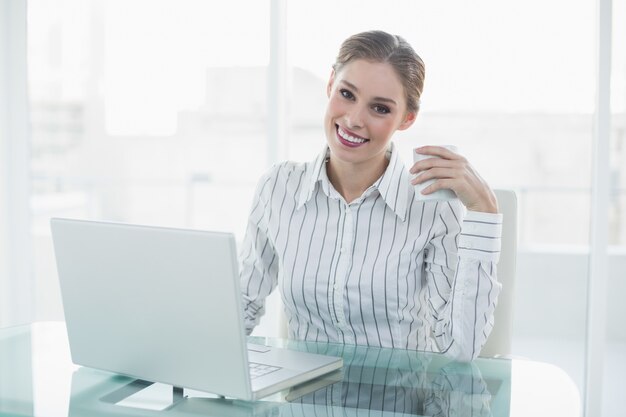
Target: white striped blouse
384,270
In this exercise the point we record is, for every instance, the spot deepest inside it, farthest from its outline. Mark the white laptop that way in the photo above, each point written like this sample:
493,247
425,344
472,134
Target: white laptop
164,305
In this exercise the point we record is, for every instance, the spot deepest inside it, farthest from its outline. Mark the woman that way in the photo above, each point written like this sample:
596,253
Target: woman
357,258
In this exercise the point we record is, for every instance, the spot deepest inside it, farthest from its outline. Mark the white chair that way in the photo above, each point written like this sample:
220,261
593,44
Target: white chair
499,341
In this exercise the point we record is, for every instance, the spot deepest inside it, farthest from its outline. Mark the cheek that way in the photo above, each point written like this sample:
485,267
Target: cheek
334,107
382,127
328,115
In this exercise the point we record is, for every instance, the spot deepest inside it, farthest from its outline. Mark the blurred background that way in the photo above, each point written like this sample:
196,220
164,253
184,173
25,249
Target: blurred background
167,112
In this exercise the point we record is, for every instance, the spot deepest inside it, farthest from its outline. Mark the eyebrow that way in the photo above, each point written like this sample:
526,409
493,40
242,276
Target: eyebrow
354,87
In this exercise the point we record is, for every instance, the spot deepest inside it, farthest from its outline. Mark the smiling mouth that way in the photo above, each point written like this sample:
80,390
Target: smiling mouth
349,139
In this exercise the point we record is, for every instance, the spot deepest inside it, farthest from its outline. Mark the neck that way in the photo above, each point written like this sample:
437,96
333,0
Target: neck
351,180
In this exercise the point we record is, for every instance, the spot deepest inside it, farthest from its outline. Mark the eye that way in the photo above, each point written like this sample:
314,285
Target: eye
381,109
346,94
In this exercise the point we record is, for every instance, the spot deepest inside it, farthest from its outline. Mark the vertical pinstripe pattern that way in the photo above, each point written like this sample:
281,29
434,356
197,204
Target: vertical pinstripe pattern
383,270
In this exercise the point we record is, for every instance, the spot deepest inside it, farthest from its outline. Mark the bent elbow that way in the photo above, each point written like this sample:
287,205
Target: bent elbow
462,356
460,353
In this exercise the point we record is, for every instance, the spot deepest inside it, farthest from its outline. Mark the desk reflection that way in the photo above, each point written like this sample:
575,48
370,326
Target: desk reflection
373,382
398,382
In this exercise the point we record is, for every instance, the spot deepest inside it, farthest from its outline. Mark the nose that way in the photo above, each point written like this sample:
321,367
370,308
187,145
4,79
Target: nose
355,118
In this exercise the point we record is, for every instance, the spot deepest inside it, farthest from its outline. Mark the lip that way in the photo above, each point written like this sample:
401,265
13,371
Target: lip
345,142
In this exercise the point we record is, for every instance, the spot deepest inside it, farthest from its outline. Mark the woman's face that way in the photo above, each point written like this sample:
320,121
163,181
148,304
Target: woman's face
366,106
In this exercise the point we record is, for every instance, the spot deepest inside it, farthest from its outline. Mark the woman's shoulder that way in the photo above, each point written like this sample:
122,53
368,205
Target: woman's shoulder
282,174
285,170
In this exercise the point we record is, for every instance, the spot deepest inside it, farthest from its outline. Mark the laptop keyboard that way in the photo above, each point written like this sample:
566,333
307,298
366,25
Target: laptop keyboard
259,369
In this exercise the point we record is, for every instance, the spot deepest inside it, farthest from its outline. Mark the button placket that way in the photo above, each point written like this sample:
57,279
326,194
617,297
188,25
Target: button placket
343,267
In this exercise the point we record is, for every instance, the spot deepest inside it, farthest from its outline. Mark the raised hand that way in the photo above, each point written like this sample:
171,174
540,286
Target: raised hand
453,171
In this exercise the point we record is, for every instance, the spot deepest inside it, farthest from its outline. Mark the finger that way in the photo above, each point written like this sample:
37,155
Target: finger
435,173
429,163
440,184
439,151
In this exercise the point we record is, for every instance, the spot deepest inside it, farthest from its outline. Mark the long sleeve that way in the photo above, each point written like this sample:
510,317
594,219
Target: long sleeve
259,266
460,268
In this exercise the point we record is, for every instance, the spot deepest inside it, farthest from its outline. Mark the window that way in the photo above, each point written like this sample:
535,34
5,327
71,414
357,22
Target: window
148,112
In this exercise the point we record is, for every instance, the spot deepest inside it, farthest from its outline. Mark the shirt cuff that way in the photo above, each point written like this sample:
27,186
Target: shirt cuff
480,236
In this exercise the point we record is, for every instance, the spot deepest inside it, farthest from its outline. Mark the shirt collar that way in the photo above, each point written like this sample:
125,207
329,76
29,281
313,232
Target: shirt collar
393,186
315,172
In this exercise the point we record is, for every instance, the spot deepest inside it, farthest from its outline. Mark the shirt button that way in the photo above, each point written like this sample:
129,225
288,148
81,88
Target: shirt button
336,286
343,250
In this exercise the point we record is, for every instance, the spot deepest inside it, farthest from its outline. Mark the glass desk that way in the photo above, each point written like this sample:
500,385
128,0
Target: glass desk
37,378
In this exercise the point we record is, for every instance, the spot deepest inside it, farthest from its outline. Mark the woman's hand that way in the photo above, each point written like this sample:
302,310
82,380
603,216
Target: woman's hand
454,172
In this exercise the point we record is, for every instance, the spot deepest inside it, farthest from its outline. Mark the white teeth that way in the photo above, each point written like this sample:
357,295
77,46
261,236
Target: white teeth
349,138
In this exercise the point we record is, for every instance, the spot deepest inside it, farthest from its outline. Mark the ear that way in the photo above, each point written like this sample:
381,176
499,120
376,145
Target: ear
331,81
408,120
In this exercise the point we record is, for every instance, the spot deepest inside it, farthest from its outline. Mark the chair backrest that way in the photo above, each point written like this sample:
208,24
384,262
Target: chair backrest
499,341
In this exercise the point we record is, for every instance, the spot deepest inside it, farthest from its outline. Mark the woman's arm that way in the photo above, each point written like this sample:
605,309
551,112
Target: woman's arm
462,289
259,266
462,285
